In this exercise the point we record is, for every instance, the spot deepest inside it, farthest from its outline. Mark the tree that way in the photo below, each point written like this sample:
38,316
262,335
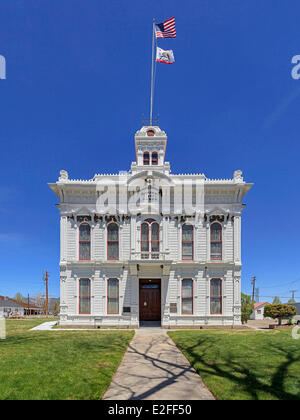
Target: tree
247,307
56,307
19,297
279,311
291,300
276,301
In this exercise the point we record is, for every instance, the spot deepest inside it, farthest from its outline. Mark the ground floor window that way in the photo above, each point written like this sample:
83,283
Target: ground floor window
187,297
216,296
84,296
113,296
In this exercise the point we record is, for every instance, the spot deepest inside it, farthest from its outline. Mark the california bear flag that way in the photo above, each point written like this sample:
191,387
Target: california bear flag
165,56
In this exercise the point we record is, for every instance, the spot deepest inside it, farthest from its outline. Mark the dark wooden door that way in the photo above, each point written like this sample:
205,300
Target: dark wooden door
150,300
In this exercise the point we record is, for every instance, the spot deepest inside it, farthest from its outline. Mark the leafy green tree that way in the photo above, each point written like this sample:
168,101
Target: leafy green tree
247,307
279,311
19,297
291,300
276,301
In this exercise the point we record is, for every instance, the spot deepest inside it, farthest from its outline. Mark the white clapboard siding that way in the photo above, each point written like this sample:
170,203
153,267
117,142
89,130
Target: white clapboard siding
228,238
99,293
125,241
173,240
71,243
71,295
200,291
201,243
99,244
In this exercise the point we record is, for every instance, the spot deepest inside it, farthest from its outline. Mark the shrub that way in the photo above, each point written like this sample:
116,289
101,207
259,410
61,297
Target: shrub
279,311
247,308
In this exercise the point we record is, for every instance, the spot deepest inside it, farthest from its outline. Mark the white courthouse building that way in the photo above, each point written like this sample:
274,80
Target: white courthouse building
150,245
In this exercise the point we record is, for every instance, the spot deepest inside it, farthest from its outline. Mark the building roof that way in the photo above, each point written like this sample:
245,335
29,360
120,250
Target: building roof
9,303
259,304
16,303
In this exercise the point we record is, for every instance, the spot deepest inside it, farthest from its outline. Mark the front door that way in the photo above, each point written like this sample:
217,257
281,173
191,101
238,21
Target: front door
150,300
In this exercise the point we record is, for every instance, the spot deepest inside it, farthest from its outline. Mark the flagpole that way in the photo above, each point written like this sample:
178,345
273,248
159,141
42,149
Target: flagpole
152,73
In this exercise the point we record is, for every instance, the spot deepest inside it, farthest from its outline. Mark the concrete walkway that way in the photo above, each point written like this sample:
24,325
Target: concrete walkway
45,326
154,369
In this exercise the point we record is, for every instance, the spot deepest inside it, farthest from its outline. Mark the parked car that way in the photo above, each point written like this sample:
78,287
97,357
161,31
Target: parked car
295,320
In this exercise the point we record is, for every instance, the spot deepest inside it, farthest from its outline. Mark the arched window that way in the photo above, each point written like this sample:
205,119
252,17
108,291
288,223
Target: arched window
84,241
84,296
187,242
154,158
146,158
150,133
150,239
112,296
187,297
112,241
216,296
215,241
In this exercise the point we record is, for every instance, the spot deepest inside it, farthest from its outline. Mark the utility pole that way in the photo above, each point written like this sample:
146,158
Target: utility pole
45,278
28,304
293,293
253,284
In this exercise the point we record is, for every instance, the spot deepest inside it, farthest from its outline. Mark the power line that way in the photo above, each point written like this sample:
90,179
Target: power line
280,285
281,297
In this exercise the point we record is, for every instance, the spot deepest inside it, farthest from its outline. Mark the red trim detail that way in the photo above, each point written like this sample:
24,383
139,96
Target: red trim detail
186,241
217,296
214,241
150,223
146,161
154,161
85,241
117,296
89,296
113,241
188,297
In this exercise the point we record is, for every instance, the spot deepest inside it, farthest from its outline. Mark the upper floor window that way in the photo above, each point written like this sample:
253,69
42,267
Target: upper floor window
187,296
216,241
150,239
84,241
112,241
187,242
84,296
113,296
150,133
146,158
216,296
154,158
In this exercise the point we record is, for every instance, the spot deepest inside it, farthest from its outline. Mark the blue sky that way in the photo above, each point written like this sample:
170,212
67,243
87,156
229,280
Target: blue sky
78,82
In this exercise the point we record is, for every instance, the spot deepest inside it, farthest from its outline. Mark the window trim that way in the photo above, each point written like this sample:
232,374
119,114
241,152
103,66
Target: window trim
152,163
220,241
146,164
150,223
89,296
216,296
113,313
88,241
115,240
187,297
192,241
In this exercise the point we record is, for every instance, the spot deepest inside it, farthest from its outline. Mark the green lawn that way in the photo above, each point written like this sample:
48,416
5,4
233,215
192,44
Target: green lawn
238,365
58,365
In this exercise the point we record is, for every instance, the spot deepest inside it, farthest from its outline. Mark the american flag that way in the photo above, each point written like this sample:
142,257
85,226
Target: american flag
166,29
